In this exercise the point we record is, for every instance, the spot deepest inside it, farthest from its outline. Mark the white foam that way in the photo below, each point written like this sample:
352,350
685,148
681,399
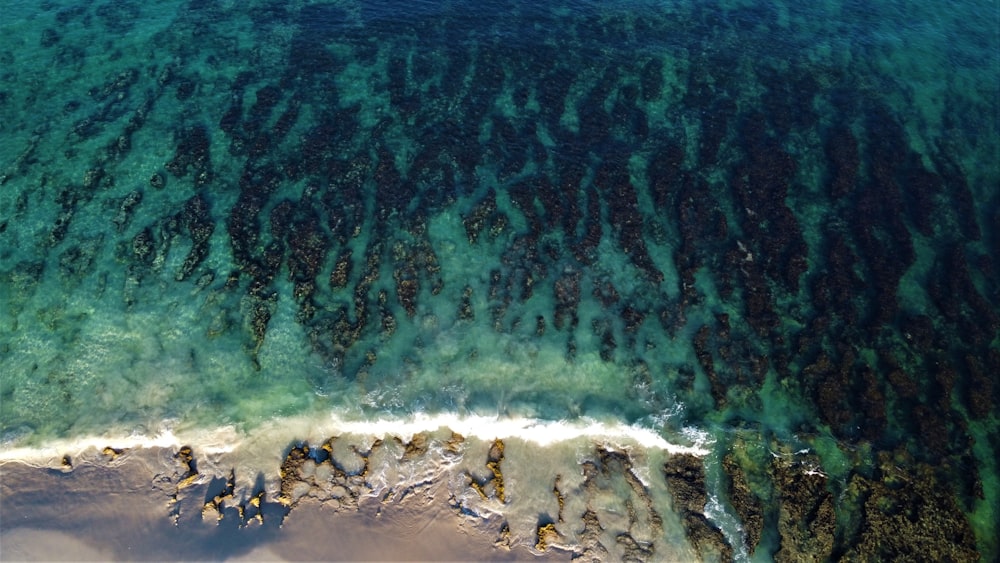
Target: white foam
540,432
278,433
59,447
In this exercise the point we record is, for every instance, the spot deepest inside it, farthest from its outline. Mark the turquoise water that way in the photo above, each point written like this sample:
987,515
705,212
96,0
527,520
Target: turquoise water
725,218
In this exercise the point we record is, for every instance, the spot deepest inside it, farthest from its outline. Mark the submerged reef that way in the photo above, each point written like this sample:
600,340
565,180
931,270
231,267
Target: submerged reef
780,246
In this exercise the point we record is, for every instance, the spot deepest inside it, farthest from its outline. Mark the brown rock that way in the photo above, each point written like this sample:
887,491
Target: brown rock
685,477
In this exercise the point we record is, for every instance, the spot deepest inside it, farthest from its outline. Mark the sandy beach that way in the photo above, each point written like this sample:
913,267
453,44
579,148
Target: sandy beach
95,513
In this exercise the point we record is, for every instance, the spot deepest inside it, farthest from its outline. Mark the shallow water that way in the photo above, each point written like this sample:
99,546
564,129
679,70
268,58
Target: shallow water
765,232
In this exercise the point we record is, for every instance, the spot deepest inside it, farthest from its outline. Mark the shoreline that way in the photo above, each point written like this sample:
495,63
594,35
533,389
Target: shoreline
111,513
504,490
257,448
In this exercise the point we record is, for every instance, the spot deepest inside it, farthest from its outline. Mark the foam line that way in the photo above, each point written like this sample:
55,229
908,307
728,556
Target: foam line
227,439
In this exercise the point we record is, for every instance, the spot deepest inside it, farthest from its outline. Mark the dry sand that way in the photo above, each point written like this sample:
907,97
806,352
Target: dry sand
124,511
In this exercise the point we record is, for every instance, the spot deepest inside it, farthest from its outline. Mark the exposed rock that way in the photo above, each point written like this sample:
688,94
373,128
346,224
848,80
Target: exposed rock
547,535
592,548
686,480
806,520
635,538
190,467
685,475
746,503
292,487
416,447
908,514
494,485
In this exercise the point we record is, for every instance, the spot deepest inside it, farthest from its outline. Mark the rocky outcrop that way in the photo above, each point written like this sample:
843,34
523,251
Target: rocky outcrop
493,486
685,475
806,517
745,502
907,513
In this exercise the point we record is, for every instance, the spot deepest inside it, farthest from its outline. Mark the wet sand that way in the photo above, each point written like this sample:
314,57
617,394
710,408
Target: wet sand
124,512
409,490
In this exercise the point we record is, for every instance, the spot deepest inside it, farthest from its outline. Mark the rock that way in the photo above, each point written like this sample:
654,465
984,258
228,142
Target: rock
707,538
192,155
143,246
745,502
126,208
806,518
567,294
465,311
685,476
592,548
290,474
342,270
190,467
908,514
686,480
547,535
493,486
416,447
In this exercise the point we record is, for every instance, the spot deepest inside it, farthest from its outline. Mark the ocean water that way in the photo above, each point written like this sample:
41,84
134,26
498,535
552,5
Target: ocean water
763,236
